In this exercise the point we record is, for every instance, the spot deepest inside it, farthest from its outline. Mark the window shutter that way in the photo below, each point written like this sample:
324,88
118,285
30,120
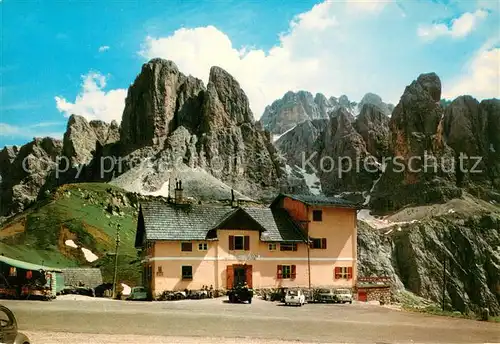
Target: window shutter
246,243
323,243
294,271
248,275
230,276
349,272
337,272
279,274
231,242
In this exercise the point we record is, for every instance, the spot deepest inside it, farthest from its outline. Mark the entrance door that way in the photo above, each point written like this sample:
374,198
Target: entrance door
238,275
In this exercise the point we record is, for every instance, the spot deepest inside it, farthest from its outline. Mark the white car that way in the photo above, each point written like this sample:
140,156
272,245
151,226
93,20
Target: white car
343,295
295,297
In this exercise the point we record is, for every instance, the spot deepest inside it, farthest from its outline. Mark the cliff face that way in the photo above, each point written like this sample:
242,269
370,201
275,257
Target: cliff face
24,171
175,127
464,248
294,108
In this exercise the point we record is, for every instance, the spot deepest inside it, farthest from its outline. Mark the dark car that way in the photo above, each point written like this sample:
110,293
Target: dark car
240,293
8,328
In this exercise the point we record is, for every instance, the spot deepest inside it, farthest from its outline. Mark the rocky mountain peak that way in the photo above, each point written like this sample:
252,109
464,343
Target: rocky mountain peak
417,131
431,83
24,172
294,108
151,103
81,137
225,101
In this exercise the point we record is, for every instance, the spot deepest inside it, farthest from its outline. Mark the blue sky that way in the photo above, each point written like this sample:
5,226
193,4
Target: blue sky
88,53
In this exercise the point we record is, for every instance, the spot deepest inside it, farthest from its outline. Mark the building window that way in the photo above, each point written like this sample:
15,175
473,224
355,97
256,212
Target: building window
186,246
29,274
343,272
272,246
239,242
317,215
187,272
288,247
318,243
286,272
13,272
202,246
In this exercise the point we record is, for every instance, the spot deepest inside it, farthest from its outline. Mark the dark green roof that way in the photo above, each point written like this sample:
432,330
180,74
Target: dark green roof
165,221
25,265
319,200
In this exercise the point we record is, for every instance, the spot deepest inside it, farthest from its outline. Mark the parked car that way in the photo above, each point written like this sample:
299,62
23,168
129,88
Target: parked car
295,297
326,295
138,294
8,328
240,293
343,295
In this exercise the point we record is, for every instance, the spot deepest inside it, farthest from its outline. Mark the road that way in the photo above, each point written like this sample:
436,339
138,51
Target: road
97,321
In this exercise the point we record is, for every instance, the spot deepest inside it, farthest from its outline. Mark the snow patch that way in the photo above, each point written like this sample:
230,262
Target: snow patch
126,289
312,181
71,243
365,216
277,137
368,197
89,256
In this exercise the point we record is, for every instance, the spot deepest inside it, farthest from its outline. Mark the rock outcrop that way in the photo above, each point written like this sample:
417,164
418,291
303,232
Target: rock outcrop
342,155
294,108
300,143
24,171
414,257
81,138
176,125
373,125
421,168
152,102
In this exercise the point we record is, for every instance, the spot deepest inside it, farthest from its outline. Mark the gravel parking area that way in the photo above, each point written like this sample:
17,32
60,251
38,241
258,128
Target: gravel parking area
216,321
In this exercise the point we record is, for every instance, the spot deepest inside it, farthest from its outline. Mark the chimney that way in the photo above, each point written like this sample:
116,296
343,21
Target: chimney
178,192
233,201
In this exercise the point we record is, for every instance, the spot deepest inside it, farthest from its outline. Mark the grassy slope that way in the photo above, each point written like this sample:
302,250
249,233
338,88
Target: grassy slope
77,212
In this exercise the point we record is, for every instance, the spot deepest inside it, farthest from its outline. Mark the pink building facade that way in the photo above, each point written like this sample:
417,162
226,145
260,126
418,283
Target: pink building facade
299,241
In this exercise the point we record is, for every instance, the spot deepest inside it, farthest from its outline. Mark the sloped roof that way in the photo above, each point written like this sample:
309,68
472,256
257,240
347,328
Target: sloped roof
318,200
89,277
164,221
25,265
278,224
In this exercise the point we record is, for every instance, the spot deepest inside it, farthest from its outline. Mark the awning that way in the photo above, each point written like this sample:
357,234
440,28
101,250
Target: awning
25,265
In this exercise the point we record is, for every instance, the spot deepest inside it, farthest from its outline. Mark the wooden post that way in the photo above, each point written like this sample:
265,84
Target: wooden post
116,260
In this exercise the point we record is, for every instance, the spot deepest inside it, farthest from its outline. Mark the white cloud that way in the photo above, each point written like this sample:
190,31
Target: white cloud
368,5
459,27
103,48
93,102
317,53
481,77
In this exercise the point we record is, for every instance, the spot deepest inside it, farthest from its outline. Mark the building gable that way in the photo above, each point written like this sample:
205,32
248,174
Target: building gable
240,219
